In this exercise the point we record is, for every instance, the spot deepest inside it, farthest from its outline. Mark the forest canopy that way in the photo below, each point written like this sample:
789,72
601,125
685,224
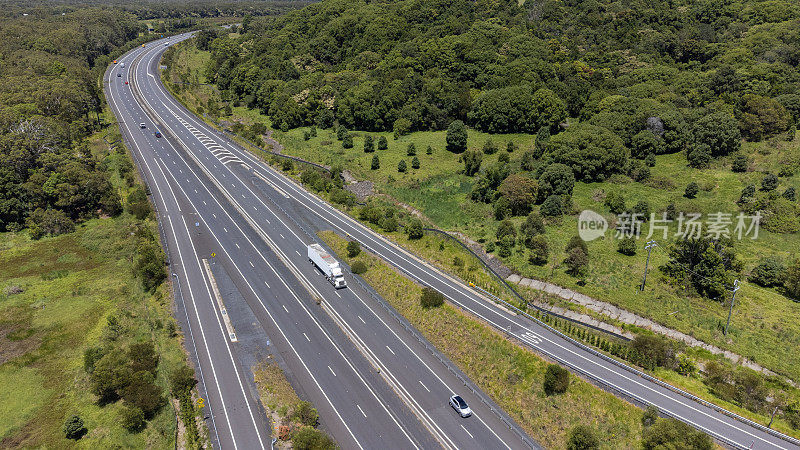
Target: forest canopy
663,76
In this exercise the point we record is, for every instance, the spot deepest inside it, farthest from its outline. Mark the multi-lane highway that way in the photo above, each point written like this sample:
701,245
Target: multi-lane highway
373,384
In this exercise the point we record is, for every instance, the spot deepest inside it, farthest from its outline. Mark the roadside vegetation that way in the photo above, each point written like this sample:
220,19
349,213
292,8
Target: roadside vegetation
555,408
295,421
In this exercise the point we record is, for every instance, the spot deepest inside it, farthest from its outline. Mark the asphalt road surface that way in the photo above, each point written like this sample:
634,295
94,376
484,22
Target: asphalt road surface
374,384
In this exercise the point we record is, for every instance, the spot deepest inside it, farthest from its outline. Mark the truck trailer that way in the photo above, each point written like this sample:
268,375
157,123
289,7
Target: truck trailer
327,264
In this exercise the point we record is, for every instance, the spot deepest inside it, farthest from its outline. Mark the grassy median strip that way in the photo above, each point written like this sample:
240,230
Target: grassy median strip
511,375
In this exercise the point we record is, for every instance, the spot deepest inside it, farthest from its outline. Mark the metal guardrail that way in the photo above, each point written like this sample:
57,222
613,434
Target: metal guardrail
514,291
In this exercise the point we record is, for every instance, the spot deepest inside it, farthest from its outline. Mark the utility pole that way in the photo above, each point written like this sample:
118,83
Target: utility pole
649,247
733,299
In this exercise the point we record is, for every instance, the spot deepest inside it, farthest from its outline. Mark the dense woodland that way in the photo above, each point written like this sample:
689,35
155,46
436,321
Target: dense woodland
660,76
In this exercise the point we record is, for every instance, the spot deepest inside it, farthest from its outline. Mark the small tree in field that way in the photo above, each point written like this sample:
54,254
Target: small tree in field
376,163
383,144
556,380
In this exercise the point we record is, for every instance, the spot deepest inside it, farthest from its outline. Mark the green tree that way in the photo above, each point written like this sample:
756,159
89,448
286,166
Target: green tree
411,150
415,163
369,144
762,117
577,262
552,206
506,228
376,163
769,272
615,202
719,131
182,380
489,147
383,144
583,437
699,156
347,141
592,152
429,150
401,166
414,229
645,143
740,163
556,179
353,249
713,264
358,267
456,137
306,414
533,226
520,192
511,147
401,127
137,203
540,251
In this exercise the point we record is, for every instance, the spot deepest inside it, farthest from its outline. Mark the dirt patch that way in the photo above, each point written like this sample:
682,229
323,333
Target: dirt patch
16,338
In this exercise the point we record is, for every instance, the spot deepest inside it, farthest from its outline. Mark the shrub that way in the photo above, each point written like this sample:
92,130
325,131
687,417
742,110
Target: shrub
699,156
389,224
556,380
672,433
143,356
383,144
411,150
415,163
768,273
142,392
791,282
347,142
653,351
615,202
719,132
740,163
149,266
627,246
642,208
506,228
472,162
376,163
414,229
431,298
520,192
137,204
692,189
790,194
306,414
353,249
505,246
583,437
593,153
182,380
132,419
401,127
401,166
429,150
650,160
556,179
458,262
650,415
769,182
511,147
358,267
308,438
539,251
342,197
287,165
552,206
73,428
489,148
341,132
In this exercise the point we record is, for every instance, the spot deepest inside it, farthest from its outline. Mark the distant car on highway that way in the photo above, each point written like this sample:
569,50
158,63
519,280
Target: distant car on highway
460,406
119,74
142,125
158,134
126,82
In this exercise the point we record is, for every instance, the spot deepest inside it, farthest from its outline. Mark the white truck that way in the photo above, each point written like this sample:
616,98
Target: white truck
327,264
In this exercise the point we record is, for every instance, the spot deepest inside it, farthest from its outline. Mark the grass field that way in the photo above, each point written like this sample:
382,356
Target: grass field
511,375
71,286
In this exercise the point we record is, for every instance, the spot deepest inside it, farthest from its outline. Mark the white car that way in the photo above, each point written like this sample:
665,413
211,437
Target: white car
460,406
142,125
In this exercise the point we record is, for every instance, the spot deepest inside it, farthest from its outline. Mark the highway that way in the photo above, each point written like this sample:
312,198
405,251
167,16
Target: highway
259,221
373,383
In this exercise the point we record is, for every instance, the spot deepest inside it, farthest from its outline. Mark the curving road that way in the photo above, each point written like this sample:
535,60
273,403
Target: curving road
375,384
259,221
